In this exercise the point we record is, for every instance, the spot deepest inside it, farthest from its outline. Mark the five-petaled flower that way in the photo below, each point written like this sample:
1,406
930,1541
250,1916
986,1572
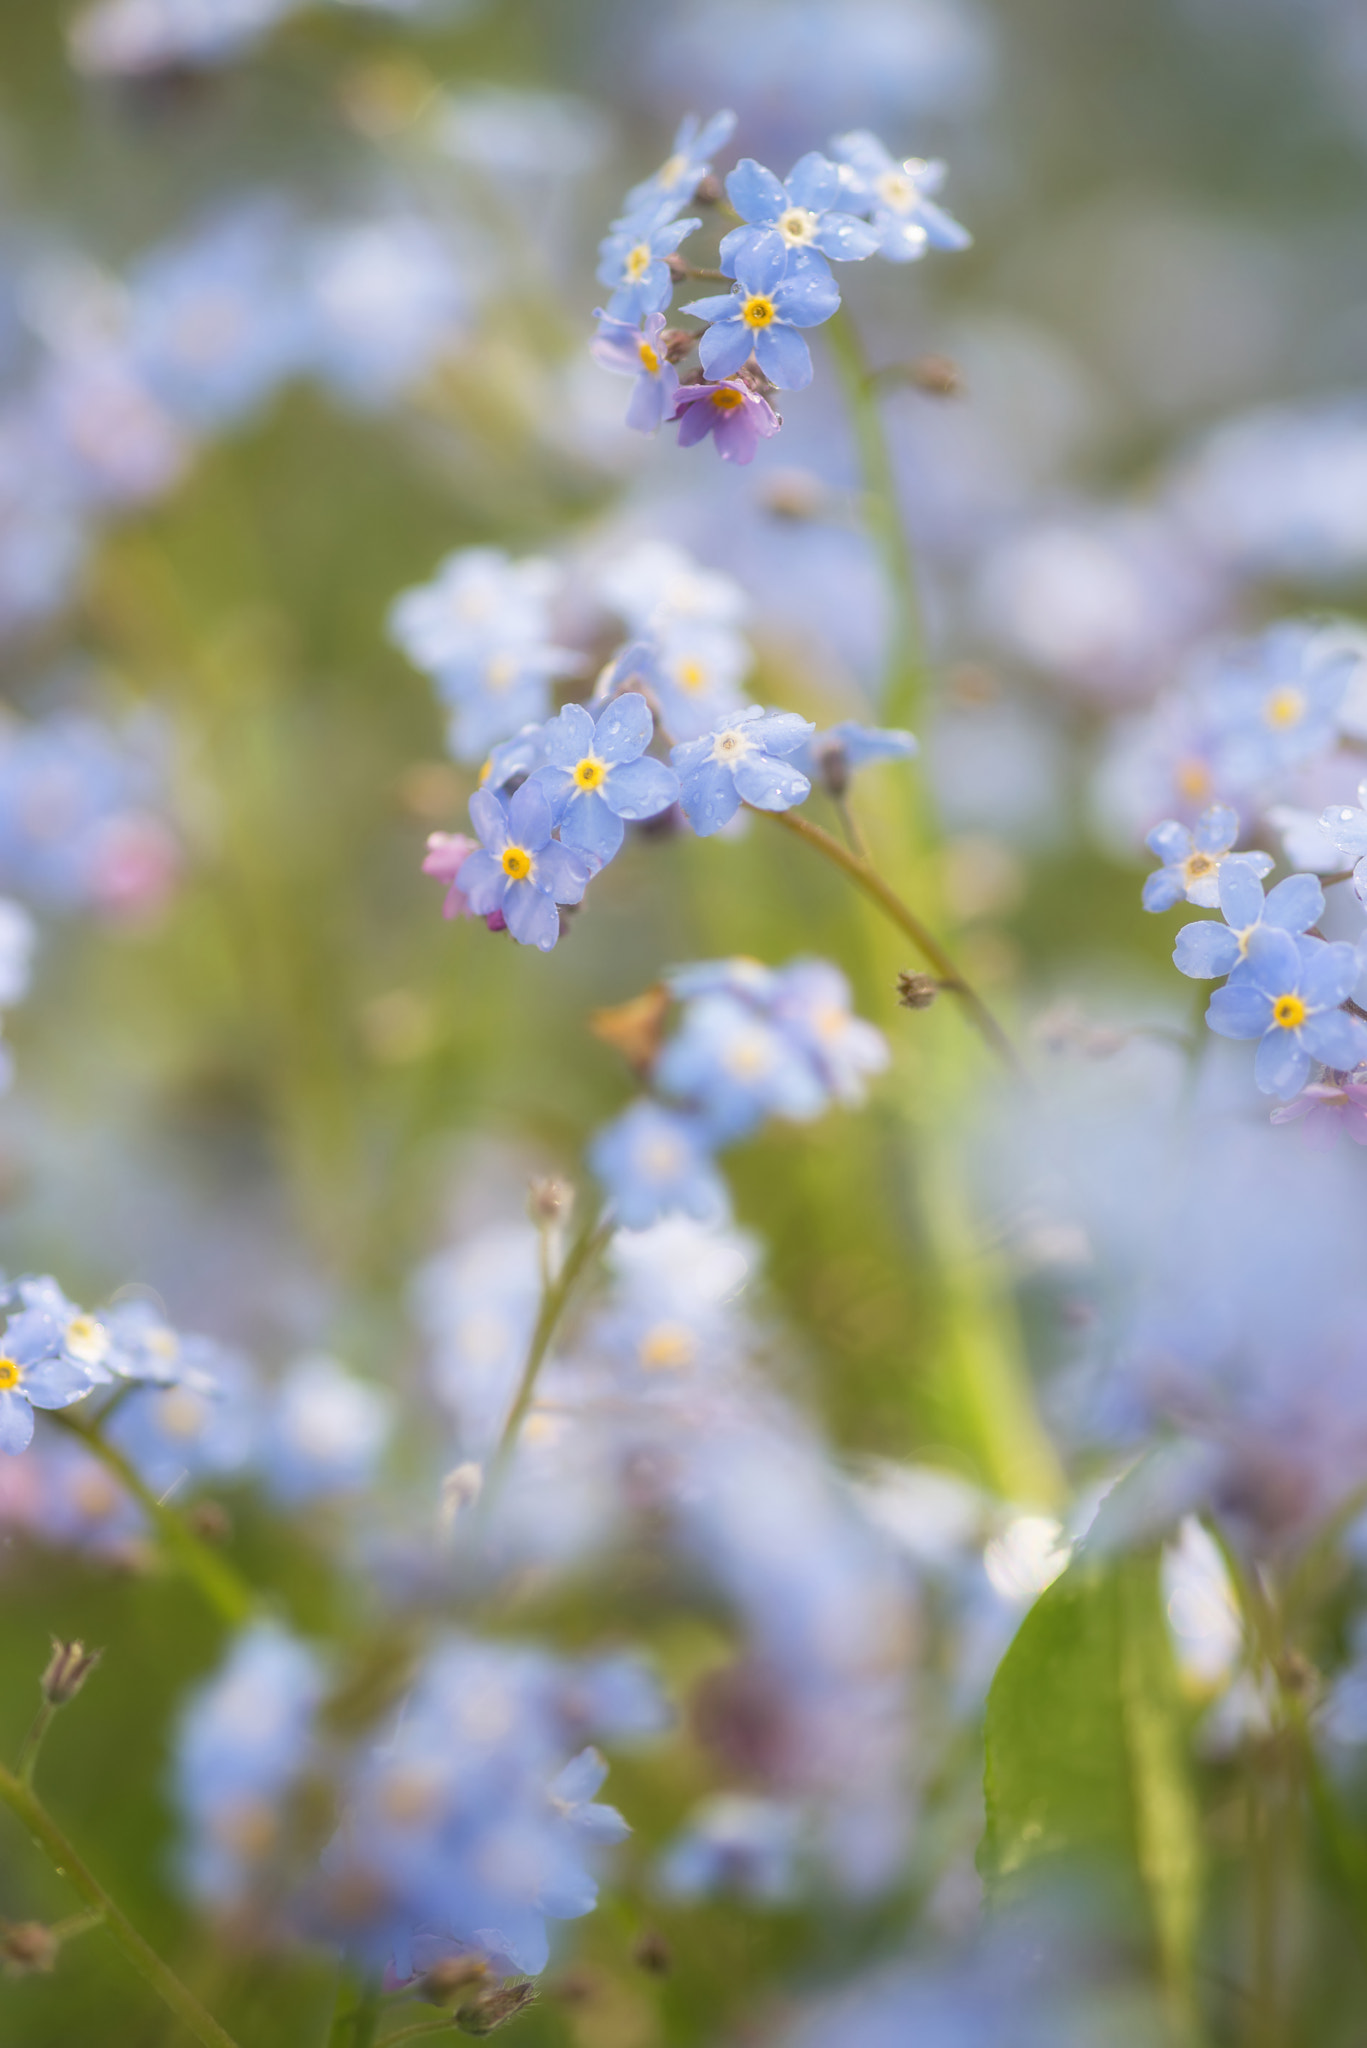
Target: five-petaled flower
639,352
797,218
519,869
1286,992
632,260
35,1372
1207,949
736,762
1192,860
599,775
656,1162
763,314
735,415
897,197
683,170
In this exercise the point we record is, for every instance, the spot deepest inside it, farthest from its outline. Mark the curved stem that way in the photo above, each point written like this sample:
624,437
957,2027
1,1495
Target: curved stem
555,1298
25,1805
228,1594
866,877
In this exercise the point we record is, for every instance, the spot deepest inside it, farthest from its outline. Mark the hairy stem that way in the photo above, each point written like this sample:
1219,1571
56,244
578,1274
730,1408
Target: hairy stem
866,877
25,1805
228,1594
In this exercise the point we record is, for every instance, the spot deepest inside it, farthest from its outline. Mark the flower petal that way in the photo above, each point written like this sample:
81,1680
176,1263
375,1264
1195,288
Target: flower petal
1336,1038
1272,962
562,871
624,729
814,182
771,785
569,737
1163,889
1328,976
1281,1065
1293,904
1239,1011
1240,894
755,193
529,812
722,350
16,1423
807,299
482,882
489,819
591,827
1206,949
761,270
709,798
641,789
1216,829
784,357
532,917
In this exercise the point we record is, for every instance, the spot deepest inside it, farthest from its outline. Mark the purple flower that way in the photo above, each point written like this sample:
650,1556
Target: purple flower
796,218
637,352
1328,1108
763,314
599,775
738,417
520,870
445,857
34,1373
1192,860
1286,992
632,260
735,763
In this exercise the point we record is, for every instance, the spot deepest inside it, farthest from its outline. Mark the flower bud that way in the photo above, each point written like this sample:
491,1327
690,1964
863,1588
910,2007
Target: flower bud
68,1669
652,1953
549,1201
833,766
460,1489
676,343
28,1949
494,2007
710,191
939,376
916,991
453,1974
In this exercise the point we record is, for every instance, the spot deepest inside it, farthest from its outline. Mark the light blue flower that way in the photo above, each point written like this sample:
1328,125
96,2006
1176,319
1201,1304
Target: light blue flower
636,350
34,1373
597,775
1286,993
1346,826
799,218
832,757
383,303
688,163
631,259
897,197
515,759
735,1068
1274,702
204,1424
519,869
655,1162
82,1340
763,315
1192,860
740,760
1208,949
325,1432
736,1843
810,1003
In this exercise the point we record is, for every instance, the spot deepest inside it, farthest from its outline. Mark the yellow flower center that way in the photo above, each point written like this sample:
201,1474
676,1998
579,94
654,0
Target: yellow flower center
1288,1011
10,1374
1193,779
690,675
517,863
650,359
797,226
726,398
638,261
667,1347
758,311
1285,707
588,774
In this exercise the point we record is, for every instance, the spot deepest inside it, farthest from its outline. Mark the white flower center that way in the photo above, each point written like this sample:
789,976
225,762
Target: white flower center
798,226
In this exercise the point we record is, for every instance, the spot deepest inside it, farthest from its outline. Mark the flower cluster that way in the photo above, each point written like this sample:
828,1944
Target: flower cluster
856,203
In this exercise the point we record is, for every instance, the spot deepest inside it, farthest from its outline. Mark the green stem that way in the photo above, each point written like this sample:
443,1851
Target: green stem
228,1594
555,1298
905,686
33,1742
441,2026
866,877
25,1805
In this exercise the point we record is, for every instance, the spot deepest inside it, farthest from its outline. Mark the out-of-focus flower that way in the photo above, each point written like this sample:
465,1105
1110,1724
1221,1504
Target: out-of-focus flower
763,315
898,198
383,303
638,351
741,760
476,1306
35,1372
1286,993
653,1163
799,217
137,38
204,1424
1281,493
446,852
519,870
738,1845
324,1433
597,775
1192,860
688,163
632,260
18,937
1345,826
1324,1109
1207,949
1275,701
735,1068
736,416
76,827
831,757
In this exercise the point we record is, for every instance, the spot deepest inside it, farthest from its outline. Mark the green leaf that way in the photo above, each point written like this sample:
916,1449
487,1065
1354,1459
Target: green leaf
1087,1755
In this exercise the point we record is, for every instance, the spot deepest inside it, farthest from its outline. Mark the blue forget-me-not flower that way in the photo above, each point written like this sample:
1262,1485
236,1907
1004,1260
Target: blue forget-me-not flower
519,869
1208,949
656,1162
597,775
763,314
1286,993
1192,860
638,351
898,197
34,1373
683,170
631,259
799,218
741,759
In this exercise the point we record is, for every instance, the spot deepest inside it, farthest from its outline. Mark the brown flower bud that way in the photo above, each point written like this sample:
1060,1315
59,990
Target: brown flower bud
549,1200
710,192
916,991
494,2007
453,1974
652,1953
939,376
635,1028
28,1949
676,343
68,1669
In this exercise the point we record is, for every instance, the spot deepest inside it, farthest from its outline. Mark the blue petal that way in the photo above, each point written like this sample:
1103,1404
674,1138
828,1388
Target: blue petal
1347,828
721,306
735,245
529,813
761,270
1240,893
709,799
559,786
1329,976
784,357
580,1778
754,192
771,785
1281,1065
16,1423
780,732
482,881
592,827
562,873
532,917
942,228
1239,1011
845,238
814,182
1336,1038
569,737
489,819
1170,841
808,298
624,729
1293,904
723,348
1163,889
641,789
55,1383
1216,829
1205,950
1272,962
652,395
